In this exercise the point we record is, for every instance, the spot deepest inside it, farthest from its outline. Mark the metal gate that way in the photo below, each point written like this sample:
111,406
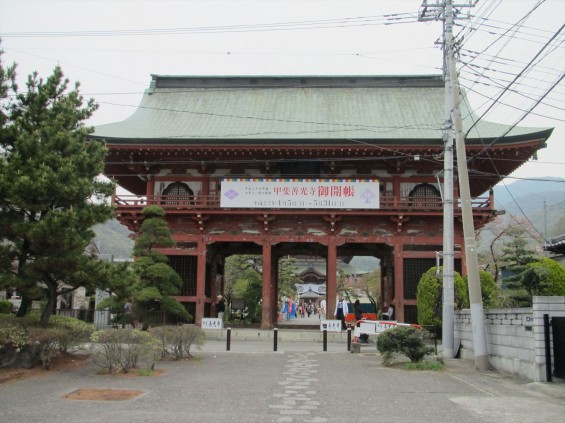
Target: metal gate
558,326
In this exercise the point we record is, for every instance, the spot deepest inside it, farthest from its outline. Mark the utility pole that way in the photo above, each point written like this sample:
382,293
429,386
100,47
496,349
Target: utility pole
454,127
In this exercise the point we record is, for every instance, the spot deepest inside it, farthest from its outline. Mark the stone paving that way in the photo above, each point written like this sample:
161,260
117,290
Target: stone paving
298,383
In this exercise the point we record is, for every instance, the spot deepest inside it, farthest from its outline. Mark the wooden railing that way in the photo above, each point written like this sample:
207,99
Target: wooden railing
211,203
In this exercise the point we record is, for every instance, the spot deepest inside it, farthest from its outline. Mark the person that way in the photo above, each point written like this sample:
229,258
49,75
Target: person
359,316
220,307
389,313
341,310
323,308
127,308
358,310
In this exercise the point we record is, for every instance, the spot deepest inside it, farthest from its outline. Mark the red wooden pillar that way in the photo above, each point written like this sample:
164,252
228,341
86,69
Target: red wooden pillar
150,190
331,275
200,282
267,309
205,191
398,282
274,289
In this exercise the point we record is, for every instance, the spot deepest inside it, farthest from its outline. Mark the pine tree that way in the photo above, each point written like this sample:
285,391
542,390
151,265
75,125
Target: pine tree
517,254
158,282
50,196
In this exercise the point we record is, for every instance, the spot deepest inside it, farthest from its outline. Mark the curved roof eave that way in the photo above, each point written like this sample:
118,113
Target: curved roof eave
542,135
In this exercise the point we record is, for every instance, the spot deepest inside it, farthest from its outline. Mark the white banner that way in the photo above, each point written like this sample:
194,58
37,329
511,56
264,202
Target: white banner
300,193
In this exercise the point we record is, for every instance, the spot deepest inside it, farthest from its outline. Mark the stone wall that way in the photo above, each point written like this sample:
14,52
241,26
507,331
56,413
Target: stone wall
515,337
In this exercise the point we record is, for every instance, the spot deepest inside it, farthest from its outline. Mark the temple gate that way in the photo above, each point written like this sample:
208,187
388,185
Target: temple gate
190,136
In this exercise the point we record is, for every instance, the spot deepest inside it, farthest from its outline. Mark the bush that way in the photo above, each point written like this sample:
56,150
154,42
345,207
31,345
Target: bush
176,341
429,297
407,341
13,337
489,290
14,346
120,350
45,344
544,277
74,332
24,344
5,307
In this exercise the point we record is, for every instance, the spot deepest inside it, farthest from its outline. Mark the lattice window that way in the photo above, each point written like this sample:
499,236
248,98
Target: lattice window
413,271
425,195
178,193
185,266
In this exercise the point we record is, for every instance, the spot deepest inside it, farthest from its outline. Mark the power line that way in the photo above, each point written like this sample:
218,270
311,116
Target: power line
277,26
517,76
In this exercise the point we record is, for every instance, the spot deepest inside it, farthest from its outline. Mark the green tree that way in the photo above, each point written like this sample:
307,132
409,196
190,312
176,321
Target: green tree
544,277
235,280
489,290
158,282
50,196
429,297
253,295
122,282
369,286
517,254
288,278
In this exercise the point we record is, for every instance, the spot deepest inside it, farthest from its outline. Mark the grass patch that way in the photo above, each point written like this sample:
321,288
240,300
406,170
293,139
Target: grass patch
424,365
148,371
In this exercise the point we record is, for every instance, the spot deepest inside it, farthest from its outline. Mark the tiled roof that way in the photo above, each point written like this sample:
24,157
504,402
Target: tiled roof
199,109
556,245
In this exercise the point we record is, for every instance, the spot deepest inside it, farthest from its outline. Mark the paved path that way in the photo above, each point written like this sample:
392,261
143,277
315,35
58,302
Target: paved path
298,383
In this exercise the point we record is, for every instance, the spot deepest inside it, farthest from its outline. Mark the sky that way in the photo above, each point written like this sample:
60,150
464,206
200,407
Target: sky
113,46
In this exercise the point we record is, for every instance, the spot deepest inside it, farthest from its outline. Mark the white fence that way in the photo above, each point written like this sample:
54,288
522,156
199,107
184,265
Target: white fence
515,337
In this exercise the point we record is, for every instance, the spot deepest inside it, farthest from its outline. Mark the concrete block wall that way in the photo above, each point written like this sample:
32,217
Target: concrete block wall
554,307
515,337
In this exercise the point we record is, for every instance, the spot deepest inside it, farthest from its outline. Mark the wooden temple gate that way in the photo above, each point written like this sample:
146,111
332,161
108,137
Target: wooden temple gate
192,134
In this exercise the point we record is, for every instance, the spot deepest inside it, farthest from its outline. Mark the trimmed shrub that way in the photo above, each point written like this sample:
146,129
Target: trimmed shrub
24,344
45,343
74,332
12,337
407,341
5,307
544,277
429,297
121,350
176,341
14,346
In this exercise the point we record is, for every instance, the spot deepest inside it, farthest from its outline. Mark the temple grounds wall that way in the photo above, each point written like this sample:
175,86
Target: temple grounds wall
515,337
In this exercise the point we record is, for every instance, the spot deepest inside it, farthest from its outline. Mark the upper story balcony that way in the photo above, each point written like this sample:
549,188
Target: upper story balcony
210,204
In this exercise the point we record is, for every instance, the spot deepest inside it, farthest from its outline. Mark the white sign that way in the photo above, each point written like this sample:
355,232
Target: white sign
300,193
319,289
330,325
212,323
374,327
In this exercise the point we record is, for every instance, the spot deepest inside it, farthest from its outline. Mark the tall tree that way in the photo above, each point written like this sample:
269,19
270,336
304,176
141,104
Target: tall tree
50,196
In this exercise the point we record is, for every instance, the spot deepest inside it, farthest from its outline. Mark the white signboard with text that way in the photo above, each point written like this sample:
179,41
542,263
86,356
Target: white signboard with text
300,193
212,323
330,325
